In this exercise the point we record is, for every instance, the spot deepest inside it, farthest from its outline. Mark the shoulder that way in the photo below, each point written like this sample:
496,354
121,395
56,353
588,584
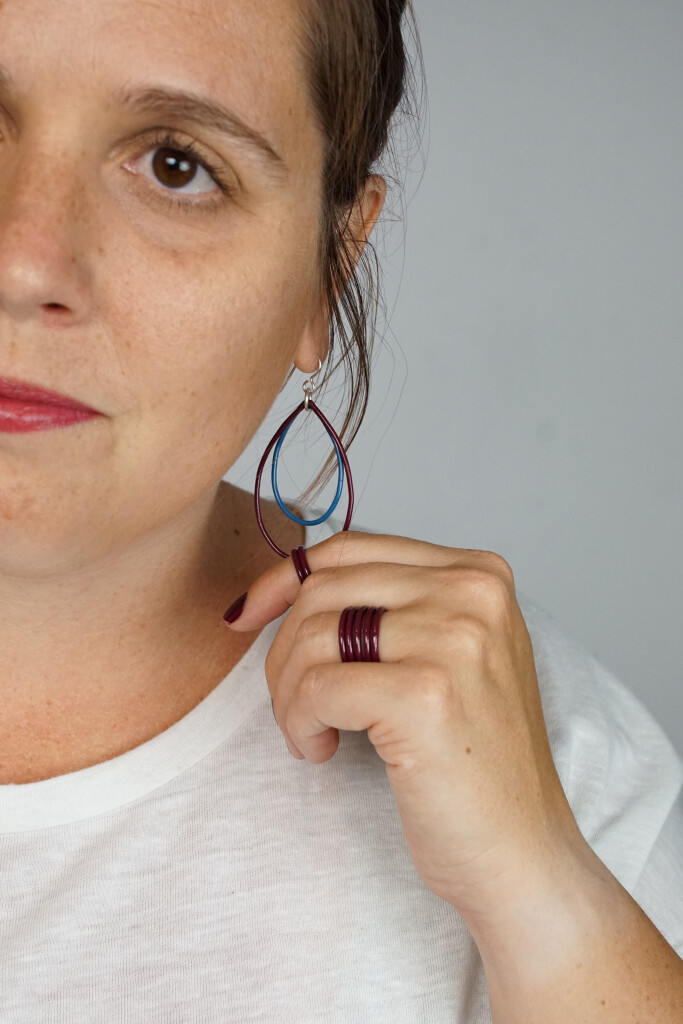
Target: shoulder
596,726
622,776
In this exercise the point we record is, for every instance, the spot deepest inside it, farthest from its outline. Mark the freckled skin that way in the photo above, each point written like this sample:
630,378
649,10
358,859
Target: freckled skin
120,546
157,306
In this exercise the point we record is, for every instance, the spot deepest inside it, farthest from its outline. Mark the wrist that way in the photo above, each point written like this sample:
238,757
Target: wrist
548,920
574,945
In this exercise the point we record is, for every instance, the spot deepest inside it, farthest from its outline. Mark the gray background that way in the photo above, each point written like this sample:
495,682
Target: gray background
527,393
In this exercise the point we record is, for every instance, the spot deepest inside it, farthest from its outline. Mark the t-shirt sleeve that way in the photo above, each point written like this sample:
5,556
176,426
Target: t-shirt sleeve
659,888
621,774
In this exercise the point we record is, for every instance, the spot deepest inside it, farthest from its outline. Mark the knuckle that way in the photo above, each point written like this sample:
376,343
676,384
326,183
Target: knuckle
497,597
337,544
310,682
470,637
490,563
474,578
450,577
491,584
312,627
501,567
316,582
431,688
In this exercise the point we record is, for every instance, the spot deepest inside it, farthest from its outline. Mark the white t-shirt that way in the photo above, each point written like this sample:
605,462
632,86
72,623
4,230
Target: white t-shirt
208,877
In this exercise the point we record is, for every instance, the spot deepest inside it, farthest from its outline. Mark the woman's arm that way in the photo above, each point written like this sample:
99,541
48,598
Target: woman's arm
577,948
454,710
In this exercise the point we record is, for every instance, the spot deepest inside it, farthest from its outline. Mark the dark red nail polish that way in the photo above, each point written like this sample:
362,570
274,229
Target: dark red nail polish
235,610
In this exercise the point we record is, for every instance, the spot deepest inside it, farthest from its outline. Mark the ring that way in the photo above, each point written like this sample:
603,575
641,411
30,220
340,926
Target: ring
300,563
359,634
358,627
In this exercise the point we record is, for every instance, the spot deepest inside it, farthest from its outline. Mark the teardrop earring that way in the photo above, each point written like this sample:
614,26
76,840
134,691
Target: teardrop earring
309,386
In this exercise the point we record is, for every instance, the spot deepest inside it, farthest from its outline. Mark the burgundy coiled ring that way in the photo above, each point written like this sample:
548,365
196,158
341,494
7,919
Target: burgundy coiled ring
358,627
301,563
359,633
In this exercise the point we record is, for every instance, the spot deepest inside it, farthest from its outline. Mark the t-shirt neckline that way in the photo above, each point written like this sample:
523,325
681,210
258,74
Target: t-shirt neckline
101,788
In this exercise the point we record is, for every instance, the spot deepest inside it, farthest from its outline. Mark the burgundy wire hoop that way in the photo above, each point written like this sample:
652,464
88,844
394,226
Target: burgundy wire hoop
271,445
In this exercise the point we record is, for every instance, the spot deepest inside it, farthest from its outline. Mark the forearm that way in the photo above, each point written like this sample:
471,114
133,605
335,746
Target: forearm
578,949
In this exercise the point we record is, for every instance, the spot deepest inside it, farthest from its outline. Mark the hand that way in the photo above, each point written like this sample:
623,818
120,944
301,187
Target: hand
453,708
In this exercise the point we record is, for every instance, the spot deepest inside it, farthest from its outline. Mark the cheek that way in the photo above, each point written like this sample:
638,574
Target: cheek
206,358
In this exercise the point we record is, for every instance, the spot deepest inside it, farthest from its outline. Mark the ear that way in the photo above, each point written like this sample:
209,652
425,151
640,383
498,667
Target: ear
315,339
366,211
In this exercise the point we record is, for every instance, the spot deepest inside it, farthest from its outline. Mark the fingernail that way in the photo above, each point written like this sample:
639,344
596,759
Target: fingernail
235,610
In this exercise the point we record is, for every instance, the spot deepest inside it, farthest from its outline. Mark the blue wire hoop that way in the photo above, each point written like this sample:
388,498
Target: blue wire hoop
276,490
342,466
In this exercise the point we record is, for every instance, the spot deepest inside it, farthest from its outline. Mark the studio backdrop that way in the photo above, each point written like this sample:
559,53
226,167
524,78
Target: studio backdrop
527,391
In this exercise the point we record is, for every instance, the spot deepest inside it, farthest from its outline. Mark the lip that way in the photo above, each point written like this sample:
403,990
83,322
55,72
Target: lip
19,391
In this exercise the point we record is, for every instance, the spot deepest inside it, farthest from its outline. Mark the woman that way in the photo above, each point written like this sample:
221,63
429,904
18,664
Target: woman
185,191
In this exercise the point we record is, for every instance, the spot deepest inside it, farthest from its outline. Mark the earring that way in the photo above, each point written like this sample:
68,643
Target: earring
309,386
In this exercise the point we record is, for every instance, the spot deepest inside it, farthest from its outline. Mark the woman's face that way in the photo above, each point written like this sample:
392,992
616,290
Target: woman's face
128,279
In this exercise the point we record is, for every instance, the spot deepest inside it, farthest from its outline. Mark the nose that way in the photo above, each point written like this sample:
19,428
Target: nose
42,271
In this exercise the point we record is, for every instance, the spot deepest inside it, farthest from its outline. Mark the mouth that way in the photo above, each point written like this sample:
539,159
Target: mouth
20,391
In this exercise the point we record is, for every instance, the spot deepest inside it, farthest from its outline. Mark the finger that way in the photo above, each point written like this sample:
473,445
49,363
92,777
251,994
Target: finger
383,699
317,643
277,589
372,584
443,606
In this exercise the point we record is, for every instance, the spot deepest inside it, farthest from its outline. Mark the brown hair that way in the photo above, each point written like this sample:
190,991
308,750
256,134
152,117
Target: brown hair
360,76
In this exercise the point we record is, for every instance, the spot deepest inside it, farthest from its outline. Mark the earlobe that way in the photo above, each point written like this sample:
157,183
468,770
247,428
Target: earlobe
315,340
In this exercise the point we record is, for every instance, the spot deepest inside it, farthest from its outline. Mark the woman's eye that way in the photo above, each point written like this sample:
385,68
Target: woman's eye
179,169
182,173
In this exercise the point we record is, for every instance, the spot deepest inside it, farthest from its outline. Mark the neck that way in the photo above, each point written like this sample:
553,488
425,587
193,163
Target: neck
96,661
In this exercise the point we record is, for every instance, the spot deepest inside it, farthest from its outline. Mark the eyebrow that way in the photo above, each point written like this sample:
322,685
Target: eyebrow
204,111
186,106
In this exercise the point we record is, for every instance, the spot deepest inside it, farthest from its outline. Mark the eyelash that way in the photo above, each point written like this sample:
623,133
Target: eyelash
166,138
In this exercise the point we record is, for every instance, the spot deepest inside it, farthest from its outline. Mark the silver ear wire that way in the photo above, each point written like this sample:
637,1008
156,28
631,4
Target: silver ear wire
309,385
